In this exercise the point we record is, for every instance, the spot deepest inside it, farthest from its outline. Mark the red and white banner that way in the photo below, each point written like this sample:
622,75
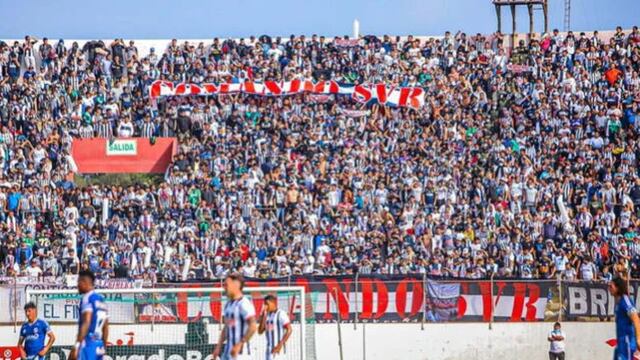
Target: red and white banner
413,97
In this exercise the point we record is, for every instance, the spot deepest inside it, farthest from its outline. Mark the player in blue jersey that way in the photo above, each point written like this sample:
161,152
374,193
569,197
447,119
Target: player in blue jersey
627,321
32,335
93,324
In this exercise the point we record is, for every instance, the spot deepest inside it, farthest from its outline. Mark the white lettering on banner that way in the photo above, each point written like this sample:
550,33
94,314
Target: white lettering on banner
194,355
599,301
578,300
122,147
595,301
56,308
14,296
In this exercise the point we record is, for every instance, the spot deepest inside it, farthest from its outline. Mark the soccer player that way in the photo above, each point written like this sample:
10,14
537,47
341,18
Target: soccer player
627,321
239,322
93,323
32,335
277,326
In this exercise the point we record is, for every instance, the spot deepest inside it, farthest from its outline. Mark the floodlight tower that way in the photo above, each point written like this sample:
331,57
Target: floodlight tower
567,15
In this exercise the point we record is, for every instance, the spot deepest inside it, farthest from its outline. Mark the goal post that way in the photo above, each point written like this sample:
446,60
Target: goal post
174,323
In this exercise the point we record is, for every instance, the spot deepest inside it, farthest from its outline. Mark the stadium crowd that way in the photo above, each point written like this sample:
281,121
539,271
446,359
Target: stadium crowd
523,163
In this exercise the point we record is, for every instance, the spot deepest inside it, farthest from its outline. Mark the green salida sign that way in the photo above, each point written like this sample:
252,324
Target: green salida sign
122,147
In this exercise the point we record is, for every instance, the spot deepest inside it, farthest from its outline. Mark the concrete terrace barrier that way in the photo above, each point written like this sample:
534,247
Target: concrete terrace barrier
448,341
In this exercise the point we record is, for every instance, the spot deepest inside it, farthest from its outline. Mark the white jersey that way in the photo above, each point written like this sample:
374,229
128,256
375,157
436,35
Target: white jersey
556,346
237,314
275,325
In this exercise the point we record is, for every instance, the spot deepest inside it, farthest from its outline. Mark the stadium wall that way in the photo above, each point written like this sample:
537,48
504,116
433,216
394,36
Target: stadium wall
451,341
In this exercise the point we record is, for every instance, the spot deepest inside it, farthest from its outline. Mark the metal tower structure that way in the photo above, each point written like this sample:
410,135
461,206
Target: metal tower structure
531,5
567,15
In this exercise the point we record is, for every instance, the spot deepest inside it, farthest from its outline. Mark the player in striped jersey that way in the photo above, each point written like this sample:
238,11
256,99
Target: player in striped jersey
239,322
277,326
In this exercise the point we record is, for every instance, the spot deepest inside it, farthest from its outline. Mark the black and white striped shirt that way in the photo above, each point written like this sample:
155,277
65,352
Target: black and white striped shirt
237,314
105,130
275,329
147,130
86,131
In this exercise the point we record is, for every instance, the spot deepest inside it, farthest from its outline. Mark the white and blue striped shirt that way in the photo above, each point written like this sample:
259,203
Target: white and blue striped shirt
237,314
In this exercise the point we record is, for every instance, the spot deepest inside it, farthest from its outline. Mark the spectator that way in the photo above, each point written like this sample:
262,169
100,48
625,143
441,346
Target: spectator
556,342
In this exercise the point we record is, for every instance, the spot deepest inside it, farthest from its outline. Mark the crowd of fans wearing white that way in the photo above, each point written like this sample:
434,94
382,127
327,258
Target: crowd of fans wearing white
523,163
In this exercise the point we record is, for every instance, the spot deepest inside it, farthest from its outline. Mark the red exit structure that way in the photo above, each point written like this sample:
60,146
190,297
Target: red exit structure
123,155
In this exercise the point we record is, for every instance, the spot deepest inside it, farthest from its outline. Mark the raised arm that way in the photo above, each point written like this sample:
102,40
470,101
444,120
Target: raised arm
263,322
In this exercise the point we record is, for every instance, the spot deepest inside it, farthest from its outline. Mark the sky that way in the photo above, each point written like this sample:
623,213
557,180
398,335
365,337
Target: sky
205,19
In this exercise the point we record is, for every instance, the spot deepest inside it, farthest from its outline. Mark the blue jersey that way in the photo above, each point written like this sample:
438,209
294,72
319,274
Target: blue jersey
94,303
34,335
625,332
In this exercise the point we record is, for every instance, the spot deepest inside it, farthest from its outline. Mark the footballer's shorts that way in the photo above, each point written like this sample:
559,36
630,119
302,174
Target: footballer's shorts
624,350
35,357
91,350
